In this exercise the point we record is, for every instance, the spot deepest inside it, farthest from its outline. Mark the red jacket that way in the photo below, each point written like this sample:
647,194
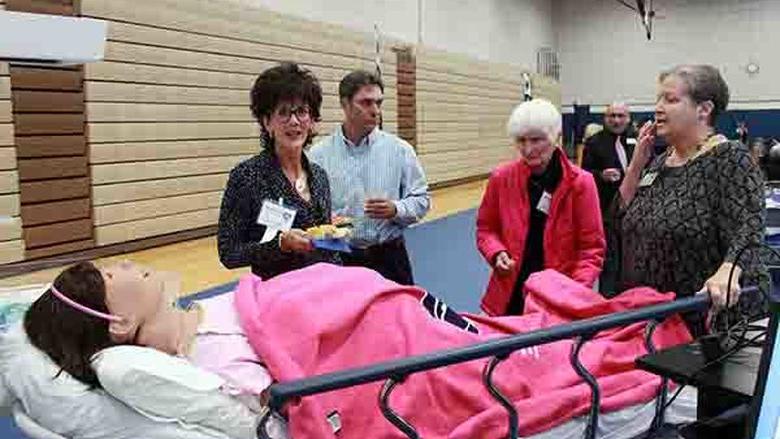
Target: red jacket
573,235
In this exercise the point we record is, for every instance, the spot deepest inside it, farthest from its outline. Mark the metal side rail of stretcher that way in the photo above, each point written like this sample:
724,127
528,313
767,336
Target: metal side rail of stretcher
395,372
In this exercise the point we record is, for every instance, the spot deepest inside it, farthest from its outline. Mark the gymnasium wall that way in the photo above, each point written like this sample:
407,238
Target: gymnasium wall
488,30
154,129
168,111
462,109
11,244
605,55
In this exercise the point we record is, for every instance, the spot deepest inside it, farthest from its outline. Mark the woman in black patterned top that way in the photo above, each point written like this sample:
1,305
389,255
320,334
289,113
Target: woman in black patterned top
286,102
686,216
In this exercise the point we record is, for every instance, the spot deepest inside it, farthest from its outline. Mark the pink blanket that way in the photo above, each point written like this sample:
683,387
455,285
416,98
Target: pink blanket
326,318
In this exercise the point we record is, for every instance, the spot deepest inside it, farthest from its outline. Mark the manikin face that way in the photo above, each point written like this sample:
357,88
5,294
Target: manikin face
137,294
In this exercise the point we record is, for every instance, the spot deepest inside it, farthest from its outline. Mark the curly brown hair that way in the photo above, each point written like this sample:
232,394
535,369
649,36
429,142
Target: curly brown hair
284,83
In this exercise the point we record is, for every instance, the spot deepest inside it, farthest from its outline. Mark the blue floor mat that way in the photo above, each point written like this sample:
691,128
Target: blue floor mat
446,262
8,430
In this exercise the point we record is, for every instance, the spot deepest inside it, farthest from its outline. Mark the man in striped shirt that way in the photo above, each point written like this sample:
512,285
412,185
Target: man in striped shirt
375,178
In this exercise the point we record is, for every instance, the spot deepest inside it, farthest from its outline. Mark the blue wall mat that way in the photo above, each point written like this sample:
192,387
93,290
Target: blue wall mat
761,123
446,261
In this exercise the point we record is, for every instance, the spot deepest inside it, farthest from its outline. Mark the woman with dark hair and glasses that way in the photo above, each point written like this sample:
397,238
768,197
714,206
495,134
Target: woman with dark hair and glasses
692,218
279,183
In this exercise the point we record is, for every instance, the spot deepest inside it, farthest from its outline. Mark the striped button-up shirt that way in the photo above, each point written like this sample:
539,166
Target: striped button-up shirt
381,166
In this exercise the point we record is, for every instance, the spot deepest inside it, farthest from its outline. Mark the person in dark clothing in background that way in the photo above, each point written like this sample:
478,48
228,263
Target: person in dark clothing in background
607,155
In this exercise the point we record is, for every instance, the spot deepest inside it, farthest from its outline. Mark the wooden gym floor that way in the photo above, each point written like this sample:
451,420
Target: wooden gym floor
198,263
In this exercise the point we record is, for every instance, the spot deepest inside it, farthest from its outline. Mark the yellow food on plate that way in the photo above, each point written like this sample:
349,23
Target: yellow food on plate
328,231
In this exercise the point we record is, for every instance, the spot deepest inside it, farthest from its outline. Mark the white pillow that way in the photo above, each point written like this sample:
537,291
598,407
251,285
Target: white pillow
66,406
169,388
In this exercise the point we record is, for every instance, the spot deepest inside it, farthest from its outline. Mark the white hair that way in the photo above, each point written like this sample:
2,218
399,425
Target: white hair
536,114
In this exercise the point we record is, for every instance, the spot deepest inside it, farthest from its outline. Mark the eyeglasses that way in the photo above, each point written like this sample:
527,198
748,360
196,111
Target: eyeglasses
302,113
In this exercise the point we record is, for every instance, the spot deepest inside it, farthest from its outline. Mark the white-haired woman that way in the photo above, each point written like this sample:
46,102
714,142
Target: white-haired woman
539,211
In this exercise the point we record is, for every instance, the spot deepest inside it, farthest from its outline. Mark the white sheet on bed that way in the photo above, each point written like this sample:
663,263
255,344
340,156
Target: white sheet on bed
629,422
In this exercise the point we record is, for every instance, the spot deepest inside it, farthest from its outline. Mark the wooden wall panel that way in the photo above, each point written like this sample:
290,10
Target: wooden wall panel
146,132
53,212
33,78
49,168
462,108
167,111
38,101
7,158
238,20
6,134
146,190
51,146
52,162
159,169
5,112
184,149
108,112
9,205
57,7
407,95
59,249
58,233
11,244
5,86
158,207
52,190
11,251
48,124
9,182
145,228
10,229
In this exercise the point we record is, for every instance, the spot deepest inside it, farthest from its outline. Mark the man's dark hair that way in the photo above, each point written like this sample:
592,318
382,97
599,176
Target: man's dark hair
354,81
284,83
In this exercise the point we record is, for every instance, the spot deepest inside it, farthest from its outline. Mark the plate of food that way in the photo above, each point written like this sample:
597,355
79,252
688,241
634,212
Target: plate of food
330,237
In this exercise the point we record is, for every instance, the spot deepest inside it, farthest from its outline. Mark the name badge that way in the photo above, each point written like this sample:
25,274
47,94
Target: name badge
630,141
276,218
648,179
544,203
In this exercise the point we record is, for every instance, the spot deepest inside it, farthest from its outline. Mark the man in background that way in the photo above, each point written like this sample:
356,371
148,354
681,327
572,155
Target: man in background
606,156
375,177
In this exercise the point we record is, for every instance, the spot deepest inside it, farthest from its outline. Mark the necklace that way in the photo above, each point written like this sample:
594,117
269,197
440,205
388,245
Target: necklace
300,183
702,147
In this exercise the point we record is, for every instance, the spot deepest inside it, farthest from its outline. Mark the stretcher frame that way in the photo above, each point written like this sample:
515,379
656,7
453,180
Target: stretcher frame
394,373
